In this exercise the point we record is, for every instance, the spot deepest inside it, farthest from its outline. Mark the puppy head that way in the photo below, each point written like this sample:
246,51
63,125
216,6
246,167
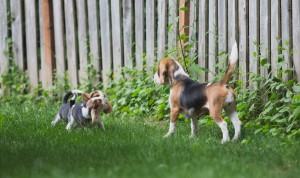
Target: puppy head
167,70
97,101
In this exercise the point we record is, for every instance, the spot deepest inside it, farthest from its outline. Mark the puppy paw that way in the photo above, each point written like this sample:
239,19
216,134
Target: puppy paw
225,141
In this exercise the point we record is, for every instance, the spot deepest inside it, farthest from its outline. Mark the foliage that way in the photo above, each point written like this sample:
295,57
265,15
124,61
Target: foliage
136,95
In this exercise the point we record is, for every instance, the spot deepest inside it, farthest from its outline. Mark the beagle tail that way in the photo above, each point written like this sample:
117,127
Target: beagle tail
232,62
68,94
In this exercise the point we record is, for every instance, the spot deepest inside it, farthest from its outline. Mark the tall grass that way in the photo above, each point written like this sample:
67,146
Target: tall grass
30,147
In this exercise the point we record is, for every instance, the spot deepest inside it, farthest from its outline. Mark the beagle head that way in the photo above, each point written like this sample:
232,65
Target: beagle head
97,101
167,70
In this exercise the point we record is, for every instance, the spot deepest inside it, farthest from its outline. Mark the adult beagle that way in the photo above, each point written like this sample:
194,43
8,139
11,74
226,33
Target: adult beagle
195,99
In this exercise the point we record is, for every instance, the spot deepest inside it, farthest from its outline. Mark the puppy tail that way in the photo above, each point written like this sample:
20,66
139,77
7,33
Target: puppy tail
68,94
232,62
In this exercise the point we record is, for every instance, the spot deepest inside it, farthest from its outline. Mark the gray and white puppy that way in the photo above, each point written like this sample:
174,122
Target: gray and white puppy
85,112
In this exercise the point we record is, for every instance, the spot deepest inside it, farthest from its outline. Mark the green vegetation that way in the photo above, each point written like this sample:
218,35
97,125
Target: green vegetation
30,147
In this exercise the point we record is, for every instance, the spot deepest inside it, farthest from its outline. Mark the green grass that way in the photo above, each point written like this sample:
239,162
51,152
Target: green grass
30,147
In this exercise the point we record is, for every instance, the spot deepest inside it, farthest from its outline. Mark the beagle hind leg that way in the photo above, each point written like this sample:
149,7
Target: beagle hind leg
233,115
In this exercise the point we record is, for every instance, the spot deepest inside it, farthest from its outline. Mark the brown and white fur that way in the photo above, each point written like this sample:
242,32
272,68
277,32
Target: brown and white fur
194,99
85,112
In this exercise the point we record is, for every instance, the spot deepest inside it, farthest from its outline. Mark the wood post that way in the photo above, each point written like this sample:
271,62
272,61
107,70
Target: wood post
48,44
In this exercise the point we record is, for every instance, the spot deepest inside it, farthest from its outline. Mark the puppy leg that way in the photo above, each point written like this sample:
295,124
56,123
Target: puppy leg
216,114
194,126
174,116
56,120
233,115
96,119
71,122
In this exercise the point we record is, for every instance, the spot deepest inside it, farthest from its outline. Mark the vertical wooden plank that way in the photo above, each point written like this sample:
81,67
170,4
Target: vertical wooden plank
275,36
82,38
173,25
193,19
71,42
232,23
116,38
17,35
264,34
161,29
48,44
127,32
105,41
286,36
184,17
93,24
253,40
59,40
296,36
3,37
139,33
150,33
222,28
202,37
41,44
242,47
212,25
31,42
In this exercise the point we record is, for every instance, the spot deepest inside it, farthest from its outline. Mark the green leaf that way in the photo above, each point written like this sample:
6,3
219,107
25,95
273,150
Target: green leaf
184,9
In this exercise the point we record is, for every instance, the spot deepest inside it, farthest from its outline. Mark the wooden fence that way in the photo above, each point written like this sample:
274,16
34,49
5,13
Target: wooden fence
48,35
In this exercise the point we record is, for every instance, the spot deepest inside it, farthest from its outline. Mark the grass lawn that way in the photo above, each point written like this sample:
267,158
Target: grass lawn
30,147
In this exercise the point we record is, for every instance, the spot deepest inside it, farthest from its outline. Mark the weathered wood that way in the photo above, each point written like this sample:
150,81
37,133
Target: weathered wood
296,36
105,41
82,39
139,33
17,35
42,74
71,42
275,36
253,40
183,23
222,29
3,37
31,43
212,48
193,20
93,23
173,26
264,35
202,37
59,40
116,38
48,44
232,23
150,33
286,35
127,33
242,45
161,29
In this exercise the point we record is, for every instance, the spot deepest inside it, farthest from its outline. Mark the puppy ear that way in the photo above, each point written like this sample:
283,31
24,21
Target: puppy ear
108,109
86,97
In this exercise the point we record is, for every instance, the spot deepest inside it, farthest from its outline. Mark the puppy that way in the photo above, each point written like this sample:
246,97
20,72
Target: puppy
84,112
89,110
195,99
64,109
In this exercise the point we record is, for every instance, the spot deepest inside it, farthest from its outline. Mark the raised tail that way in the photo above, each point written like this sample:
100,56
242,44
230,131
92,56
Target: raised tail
232,62
68,94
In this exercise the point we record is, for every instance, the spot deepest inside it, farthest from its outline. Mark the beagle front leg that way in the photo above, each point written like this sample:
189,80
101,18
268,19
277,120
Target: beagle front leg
174,116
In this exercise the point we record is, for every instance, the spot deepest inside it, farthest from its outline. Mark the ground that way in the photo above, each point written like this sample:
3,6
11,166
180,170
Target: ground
30,147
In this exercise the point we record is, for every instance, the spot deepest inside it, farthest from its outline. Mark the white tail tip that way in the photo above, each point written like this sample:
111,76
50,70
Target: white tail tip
234,54
77,91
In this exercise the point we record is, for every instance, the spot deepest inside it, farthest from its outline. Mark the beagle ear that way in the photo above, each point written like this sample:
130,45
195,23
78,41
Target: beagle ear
108,109
86,97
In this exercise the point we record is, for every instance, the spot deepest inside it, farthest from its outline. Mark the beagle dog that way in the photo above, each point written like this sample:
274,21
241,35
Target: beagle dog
195,99
83,113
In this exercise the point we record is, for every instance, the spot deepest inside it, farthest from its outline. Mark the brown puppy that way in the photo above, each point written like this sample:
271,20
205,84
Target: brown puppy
194,99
